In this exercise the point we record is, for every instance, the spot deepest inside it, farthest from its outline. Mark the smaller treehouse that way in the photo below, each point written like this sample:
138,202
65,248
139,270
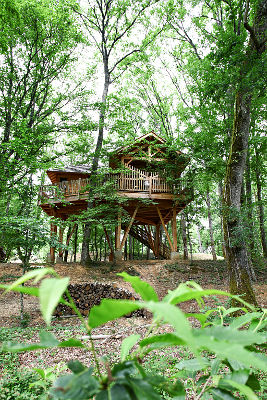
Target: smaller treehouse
149,188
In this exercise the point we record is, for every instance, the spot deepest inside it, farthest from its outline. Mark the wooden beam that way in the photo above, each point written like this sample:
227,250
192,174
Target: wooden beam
126,233
174,229
151,239
165,229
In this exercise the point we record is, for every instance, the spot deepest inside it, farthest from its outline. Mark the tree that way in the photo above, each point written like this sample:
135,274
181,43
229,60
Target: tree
111,25
36,49
236,251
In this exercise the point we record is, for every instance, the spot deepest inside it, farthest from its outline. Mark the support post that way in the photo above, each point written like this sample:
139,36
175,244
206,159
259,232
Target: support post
126,233
165,229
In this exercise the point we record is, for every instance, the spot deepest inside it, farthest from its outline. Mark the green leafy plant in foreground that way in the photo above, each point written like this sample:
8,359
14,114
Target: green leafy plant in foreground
224,361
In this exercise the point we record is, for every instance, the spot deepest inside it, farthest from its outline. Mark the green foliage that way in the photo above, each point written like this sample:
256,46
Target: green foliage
19,386
211,347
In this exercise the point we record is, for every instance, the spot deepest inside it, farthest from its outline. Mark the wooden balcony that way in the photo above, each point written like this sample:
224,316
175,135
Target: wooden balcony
135,183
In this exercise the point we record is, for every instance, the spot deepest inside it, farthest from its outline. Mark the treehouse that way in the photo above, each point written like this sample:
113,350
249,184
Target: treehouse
147,175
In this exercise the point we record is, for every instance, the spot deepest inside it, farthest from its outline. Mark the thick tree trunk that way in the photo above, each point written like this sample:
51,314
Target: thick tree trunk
211,228
237,260
236,253
260,210
184,237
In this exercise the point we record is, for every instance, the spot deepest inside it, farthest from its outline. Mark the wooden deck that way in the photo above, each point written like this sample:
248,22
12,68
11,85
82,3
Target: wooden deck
132,184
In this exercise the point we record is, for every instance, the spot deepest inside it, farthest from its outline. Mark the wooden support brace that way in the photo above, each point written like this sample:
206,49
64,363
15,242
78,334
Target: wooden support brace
165,229
126,233
52,249
108,240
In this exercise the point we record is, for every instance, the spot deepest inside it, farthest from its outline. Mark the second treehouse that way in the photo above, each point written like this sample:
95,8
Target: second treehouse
147,179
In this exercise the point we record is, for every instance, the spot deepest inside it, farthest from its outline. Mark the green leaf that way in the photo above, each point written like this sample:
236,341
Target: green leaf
75,386
32,291
50,293
167,339
127,345
253,382
175,317
146,291
48,339
219,394
36,273
228,350
110,309
195,364
242,337
242,389
71,343
244,319
76,366
185,293
143,390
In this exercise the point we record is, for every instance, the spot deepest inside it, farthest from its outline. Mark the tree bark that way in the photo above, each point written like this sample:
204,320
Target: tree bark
237,260
260,209
214,257
184,237
201,250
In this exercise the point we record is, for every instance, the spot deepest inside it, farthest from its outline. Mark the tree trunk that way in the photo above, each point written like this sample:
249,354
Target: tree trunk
67,251
184,237
220,190
75,243
85,256
130,247
260,209
201,250
237,260
211,227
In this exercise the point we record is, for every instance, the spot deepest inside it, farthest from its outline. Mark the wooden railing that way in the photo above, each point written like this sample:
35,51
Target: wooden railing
133,181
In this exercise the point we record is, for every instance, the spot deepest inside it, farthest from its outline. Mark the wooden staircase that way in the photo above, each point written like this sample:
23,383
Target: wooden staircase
142,235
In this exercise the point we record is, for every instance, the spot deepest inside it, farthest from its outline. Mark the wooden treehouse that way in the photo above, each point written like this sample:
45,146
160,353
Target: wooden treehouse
147,170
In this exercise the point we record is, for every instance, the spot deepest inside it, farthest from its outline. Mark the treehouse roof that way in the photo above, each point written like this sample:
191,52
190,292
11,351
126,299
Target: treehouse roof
147,147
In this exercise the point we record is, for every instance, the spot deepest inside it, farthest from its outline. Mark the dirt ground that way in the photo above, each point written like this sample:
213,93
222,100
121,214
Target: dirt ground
162,275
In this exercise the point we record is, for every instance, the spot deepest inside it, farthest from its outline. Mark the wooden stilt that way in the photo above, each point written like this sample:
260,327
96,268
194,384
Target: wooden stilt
165,229
126,233
174,229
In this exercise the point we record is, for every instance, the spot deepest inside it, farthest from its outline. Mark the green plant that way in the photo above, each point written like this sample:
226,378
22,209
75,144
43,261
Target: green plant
223,359
18,387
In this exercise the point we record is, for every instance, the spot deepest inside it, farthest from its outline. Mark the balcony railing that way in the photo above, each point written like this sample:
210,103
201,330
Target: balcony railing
133,181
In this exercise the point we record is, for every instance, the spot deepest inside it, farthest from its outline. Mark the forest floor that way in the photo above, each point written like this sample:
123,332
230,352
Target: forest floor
162,275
